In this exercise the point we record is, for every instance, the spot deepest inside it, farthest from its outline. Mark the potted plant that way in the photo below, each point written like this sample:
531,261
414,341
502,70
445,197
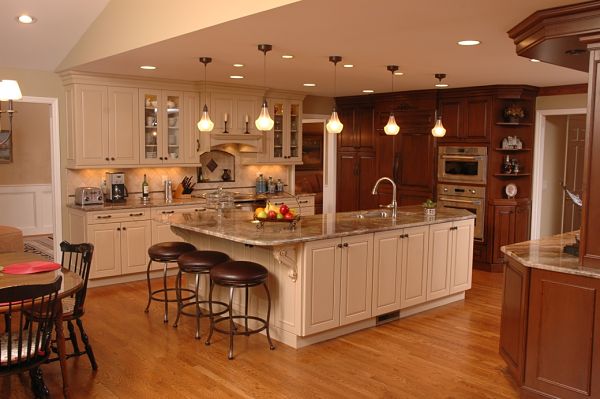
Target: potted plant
514,113
429,207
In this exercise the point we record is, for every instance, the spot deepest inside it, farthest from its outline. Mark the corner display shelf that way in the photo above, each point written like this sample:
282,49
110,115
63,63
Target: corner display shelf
514,123
513,149
511,174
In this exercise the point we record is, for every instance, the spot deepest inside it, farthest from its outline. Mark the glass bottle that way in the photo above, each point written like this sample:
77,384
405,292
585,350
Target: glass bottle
279,186
145,189
271,185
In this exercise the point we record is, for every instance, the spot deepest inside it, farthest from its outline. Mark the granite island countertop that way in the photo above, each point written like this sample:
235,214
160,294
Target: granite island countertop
239,226
547,254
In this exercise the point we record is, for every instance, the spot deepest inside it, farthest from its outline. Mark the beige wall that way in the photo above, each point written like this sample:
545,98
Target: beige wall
566,101
31,146
317,105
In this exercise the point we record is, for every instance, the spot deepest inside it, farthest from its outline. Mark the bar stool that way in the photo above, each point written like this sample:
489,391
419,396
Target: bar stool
239,274
197,263
165,252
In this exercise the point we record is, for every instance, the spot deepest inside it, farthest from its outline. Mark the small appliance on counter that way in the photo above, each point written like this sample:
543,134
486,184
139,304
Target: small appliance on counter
88,196
115,183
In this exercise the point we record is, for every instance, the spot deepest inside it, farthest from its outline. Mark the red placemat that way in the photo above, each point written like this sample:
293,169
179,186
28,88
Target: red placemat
35,266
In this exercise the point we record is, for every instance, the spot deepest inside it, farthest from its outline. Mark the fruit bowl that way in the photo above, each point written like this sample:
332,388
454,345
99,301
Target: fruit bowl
292,222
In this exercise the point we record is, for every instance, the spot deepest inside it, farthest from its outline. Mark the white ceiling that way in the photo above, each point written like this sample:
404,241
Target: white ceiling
418,35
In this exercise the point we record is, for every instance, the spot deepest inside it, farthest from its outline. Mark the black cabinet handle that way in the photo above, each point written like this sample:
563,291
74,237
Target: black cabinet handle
104,217
303,202
118,229
339,245
346,244
124,228
106,159
167,212
112,158
136,214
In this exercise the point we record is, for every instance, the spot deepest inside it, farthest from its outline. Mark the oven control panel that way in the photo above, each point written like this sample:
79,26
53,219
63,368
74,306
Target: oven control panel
461,191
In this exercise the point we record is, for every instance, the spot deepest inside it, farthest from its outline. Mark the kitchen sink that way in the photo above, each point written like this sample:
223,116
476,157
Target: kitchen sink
376,214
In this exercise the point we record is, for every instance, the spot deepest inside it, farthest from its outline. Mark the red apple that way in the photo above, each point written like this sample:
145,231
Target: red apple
289,216
283,209
272,215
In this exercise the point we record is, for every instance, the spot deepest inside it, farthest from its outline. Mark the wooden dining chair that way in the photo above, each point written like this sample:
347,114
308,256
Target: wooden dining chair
78,259
25,343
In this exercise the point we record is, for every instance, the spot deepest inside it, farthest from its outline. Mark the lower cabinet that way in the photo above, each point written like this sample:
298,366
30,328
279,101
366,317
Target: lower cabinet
162,232
337,282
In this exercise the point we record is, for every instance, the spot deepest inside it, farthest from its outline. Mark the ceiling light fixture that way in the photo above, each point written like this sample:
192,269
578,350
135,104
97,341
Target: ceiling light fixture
309,84
238,65
469,42
236,77
264,122
333,124
348,65
398,73
9,91
438,129
534,60
287,56
205,124
148,67
368,91
392,128
26,19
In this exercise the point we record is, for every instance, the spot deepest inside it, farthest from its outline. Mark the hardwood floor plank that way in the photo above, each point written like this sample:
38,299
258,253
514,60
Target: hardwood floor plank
448,352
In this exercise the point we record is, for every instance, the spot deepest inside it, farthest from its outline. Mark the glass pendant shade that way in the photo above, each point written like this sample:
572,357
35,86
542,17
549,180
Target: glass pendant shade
264,122
334,125
9,90
392,128
205,124
438,130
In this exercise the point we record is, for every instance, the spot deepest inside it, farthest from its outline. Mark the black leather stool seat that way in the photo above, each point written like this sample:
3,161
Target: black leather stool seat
239,272
198,261
169,251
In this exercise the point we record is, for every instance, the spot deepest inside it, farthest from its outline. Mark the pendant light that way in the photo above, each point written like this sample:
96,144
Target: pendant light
264,122
392,128
205,124
334,125
438,130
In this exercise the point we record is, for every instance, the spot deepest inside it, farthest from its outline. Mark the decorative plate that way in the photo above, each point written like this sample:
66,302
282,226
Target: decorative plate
510,190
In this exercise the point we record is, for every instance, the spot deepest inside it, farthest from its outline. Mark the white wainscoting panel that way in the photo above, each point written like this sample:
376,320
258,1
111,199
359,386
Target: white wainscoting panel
27,207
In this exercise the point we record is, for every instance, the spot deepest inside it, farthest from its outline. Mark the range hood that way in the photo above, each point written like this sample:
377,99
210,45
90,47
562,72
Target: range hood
250,142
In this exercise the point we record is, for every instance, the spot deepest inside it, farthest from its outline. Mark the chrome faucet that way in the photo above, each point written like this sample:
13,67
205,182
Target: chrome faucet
394,204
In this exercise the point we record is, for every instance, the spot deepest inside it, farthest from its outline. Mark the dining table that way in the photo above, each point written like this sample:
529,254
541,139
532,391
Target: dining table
71,283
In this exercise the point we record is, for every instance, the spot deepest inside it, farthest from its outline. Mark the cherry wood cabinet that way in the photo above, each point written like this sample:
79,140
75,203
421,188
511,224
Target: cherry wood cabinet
356,175
510,223
358,133
466,117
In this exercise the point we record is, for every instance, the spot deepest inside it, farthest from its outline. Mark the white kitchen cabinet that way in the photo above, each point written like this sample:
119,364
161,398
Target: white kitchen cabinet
284,143
194,141
238,107
305,203
162,232
439,260
387,268
103,126
414,266
106,261
461,268
337,283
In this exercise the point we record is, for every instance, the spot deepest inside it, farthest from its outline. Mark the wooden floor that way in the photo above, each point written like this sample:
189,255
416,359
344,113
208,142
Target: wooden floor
450,352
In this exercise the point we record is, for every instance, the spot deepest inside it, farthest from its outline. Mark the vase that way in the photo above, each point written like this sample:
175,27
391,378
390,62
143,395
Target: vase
429,211
226,176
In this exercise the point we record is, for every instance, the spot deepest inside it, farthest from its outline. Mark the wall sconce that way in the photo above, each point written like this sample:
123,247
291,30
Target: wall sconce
9,91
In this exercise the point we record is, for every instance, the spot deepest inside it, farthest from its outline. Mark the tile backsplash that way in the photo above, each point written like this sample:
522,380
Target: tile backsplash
244,176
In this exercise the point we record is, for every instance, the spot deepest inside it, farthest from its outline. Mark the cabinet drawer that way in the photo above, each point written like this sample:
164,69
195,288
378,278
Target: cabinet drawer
108,216
307,201
169,210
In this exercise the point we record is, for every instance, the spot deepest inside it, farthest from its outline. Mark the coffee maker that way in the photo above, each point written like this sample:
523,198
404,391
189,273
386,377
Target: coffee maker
115,183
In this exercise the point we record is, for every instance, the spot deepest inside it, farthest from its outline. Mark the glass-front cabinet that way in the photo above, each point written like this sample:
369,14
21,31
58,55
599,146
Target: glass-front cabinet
285,143
162,135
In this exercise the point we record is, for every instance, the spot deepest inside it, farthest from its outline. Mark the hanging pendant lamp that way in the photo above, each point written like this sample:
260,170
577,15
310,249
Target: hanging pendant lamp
392,128
334,125
205,124
438,129
264,122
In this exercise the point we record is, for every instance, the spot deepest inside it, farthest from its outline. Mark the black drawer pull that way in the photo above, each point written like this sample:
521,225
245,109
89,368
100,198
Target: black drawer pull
303,202
136,214
167,212
104,217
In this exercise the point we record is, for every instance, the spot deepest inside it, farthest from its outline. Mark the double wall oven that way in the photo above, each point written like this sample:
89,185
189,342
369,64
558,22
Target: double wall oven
461,181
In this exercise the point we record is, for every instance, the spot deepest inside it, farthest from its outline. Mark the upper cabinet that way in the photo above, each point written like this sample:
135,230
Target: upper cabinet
358,132
102,125
467,117
284,144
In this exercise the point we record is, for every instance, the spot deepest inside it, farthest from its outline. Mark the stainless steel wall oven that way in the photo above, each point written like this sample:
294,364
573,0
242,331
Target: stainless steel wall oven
471,198
466,165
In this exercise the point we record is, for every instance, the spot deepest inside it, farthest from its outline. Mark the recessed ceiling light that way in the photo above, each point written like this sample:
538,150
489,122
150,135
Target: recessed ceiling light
238,65
398,73
287,56
469,42
348,65
534,60
236,77
441,85
309,84
26,19
368,91
148,67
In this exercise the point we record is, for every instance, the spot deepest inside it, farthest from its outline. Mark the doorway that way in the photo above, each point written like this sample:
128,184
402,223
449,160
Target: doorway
558,161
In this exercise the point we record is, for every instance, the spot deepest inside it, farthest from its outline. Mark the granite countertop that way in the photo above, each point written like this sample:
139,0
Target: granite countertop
236,225
547,254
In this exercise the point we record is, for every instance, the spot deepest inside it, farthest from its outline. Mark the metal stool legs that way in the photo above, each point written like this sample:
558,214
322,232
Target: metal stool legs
154,295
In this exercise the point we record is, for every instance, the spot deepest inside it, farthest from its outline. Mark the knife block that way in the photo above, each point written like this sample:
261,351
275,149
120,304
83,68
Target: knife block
178,192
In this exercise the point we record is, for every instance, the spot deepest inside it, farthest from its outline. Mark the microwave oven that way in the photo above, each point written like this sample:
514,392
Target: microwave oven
462,164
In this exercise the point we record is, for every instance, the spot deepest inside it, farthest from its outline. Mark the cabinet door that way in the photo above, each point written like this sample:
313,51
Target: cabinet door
504,229
278,142
91,125
221,104
172,138
387,258
107,249
321,285
151,133
123,125
294,144
367,176
246,107
356,278
347,182
136,238
414,266
438,264
478,119
462,256
451,112
364,128
193,144
347,138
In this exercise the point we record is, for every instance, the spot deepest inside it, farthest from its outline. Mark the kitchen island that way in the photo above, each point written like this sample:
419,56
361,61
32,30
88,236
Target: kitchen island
338,273
550,325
